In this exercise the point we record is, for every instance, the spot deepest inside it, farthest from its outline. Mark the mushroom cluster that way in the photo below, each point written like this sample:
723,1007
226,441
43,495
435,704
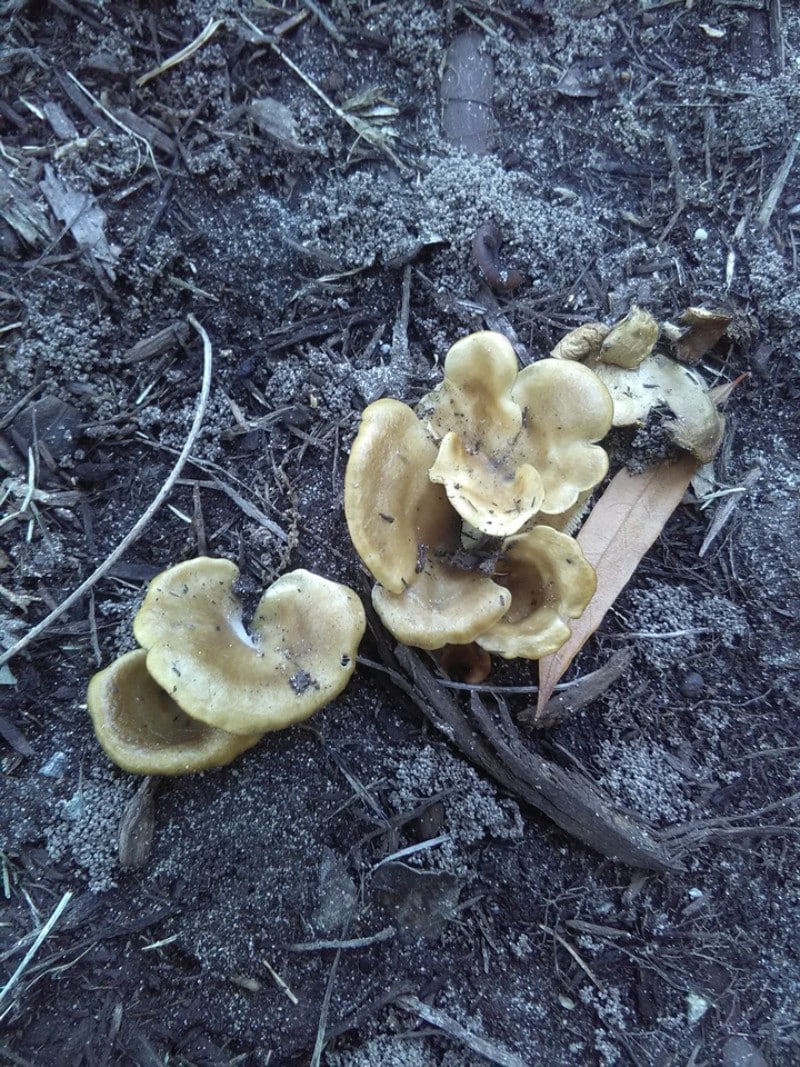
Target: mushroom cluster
201,690
641,380
458,508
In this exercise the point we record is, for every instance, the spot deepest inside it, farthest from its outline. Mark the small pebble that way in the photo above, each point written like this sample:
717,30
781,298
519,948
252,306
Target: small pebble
738,1052
56,766
692,685
696,1007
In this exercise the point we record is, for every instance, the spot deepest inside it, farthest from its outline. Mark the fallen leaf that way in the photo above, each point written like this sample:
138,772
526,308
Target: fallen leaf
620,529
721,394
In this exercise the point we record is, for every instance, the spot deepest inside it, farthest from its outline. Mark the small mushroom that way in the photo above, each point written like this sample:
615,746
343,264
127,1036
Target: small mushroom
700,330
299,656
582,343
394,513
550,581
444,606
631,340
696,425
144,731
470,663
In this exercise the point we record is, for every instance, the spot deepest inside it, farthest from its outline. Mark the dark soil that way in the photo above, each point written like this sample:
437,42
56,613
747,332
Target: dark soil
627,152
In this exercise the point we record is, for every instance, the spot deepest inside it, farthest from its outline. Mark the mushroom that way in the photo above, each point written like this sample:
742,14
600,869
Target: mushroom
582,343
631,340
512,443
470,663
299,656
567,409
394,512
550,581
696,425
700,329
495,506
144,731
444,606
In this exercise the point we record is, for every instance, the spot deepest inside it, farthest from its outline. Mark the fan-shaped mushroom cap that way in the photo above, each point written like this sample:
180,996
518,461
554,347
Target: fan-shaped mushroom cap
550,581
474,399
301,654
144,731
443,606
567,409
514,443
697,426
393,511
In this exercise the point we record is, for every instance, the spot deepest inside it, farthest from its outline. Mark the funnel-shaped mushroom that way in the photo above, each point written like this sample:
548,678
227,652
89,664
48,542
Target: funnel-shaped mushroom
513,444
550,581
144,731
300,655
394,513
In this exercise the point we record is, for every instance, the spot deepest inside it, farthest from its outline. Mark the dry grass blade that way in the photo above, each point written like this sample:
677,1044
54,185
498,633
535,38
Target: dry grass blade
37,944
620,529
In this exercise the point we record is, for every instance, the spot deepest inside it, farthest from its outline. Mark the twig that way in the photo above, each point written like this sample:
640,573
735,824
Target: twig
113,118
145,519
280,983
319,1044
725,510
775,190
571,800
45,930
490,1050
573,952
386,934
325,21
202,38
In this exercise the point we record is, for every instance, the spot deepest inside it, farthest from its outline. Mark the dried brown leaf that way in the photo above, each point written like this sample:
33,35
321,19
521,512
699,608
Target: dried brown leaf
620,529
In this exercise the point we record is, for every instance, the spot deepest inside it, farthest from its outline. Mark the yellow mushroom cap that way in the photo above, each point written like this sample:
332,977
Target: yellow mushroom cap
474,399
550,581
631,340
567,409
514,443
444,606
300,655
697,426
144,731
497,506
393,511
